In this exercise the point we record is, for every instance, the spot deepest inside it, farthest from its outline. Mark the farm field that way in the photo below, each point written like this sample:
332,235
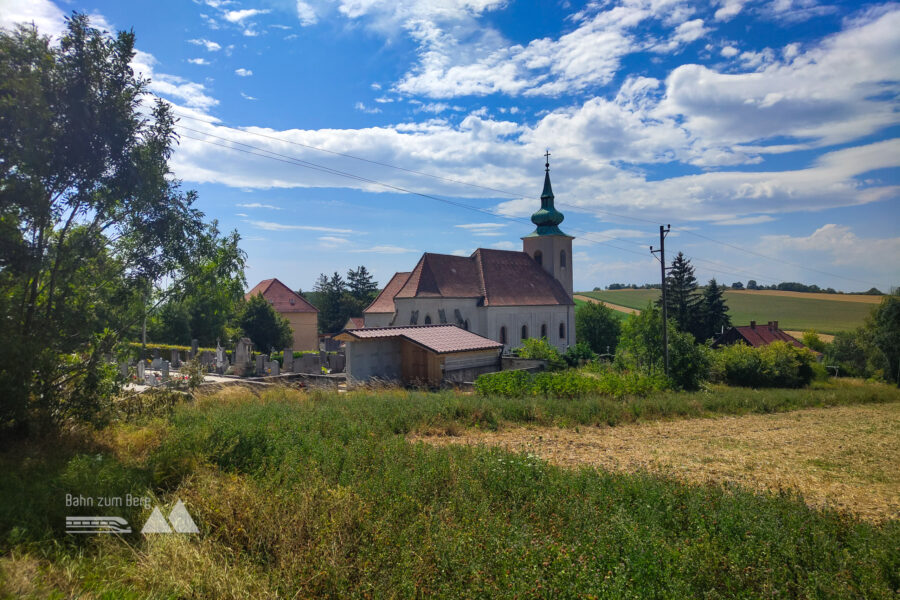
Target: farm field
842,457
319,494
826,313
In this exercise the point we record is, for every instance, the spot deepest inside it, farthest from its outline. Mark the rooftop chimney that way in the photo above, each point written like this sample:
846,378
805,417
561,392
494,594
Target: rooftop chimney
775,324
752,324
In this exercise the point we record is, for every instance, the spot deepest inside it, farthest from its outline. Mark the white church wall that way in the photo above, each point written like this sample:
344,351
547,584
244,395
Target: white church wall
431,307
514,317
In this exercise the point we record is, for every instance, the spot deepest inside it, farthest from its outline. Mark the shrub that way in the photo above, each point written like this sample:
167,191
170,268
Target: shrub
777,365
540,349
578,354
598,327
569,384
812,340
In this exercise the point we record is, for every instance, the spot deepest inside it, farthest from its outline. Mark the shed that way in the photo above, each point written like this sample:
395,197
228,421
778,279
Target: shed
421,353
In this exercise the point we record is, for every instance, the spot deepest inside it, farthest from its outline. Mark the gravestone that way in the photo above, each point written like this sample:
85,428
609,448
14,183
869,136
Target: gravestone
175,358
156,353
221,359
261,364
194,345
242,352
288,361
272,367
123,369
338,362
307,363
165,370
208,360
156,363
140,371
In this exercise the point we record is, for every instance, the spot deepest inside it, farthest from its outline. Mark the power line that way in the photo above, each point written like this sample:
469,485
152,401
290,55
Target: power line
513,194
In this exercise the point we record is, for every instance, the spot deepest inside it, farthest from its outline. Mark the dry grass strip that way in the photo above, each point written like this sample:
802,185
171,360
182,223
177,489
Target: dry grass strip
624,309
846,458
812,295
798,335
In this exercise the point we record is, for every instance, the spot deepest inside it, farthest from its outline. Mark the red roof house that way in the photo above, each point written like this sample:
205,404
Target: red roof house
755,335
303,316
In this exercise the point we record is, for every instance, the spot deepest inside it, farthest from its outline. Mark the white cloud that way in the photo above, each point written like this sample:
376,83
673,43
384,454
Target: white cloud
745,220
729,9
270,226
239,16
329,241
242,72
384,250
208,44
729,51
44,14
306,13
198,61
259,205
190,93
248,97
369,110
505,245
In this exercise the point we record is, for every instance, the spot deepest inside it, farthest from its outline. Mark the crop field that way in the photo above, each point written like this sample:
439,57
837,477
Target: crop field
826,313
302,494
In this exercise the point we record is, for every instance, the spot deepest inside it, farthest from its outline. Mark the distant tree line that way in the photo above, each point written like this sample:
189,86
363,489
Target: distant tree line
785,286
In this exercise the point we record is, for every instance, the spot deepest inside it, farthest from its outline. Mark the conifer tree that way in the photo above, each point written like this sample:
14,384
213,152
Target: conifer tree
715,311
682,299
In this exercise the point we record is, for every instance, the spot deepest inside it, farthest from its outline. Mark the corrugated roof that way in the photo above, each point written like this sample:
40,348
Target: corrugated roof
384,303
495,277
281,297
441,339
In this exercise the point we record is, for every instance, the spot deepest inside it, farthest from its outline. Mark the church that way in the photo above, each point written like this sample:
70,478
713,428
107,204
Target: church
505,296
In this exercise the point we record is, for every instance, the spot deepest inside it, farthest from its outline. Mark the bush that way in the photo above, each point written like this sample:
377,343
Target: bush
688,362
598,327
777,365
540,349
569,384
579,354
812,340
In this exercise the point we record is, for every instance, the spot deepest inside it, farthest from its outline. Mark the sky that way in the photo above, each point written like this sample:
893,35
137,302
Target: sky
339,133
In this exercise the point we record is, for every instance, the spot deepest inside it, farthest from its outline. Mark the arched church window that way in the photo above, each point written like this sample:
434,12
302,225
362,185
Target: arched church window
544,330
539,257
524,332
562,331
428,319
562,259
503,335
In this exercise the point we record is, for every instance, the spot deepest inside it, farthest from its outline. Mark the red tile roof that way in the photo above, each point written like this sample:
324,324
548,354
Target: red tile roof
355,323
384,303
496,277
758,335
441,339
281,297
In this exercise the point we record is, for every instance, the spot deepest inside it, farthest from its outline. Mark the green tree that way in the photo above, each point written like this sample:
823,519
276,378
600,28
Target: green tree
812,340
598,327
751,285
361,290
266,328
884,325
90,216
682,299
714,311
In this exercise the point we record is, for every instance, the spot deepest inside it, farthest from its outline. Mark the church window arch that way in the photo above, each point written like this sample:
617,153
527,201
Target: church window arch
562,259
524,332
503,335
562,331
543,330
539,257
428,319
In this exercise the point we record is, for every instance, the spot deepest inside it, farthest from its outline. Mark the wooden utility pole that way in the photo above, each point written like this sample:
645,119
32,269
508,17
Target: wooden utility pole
663,232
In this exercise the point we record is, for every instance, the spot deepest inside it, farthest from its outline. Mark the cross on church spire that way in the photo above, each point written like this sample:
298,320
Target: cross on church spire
547,156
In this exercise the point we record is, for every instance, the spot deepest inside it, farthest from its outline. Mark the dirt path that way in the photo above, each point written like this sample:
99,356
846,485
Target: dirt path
624,309
843,457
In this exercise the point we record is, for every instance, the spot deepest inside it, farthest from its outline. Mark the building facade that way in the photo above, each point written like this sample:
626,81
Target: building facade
505,296
302,316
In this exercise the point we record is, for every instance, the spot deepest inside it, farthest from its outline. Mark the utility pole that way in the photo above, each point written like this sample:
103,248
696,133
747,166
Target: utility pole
663,232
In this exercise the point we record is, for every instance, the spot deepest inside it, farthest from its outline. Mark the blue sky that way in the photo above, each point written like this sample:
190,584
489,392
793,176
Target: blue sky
765,132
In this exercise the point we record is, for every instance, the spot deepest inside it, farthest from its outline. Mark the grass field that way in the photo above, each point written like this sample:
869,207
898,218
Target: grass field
321,495
791,310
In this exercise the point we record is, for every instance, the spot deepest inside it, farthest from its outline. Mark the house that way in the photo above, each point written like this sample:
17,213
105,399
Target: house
755,335
418,354
505,296
303,316
355,323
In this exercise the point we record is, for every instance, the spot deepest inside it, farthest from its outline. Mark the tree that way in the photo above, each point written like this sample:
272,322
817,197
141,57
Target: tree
90,216
812,340
713,310
361,290
737,285
751,285
332,312
682,299
266,328
884,324
598,327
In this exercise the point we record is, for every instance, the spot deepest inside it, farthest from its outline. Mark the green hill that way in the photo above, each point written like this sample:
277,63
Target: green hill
792,311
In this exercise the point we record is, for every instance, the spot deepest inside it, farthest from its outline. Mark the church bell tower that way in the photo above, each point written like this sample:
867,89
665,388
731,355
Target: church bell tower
547,244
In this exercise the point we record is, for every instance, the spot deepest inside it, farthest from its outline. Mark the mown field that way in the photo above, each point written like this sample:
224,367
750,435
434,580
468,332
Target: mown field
792,311
319,494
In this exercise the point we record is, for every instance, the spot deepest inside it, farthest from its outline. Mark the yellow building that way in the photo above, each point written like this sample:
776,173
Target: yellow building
303,316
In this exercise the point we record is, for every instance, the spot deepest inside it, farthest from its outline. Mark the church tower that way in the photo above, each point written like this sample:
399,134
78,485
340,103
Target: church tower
548,245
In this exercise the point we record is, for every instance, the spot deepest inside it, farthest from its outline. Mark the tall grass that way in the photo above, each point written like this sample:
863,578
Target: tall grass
320,495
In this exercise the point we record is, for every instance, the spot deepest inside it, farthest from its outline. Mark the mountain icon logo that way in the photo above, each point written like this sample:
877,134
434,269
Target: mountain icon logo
180,519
